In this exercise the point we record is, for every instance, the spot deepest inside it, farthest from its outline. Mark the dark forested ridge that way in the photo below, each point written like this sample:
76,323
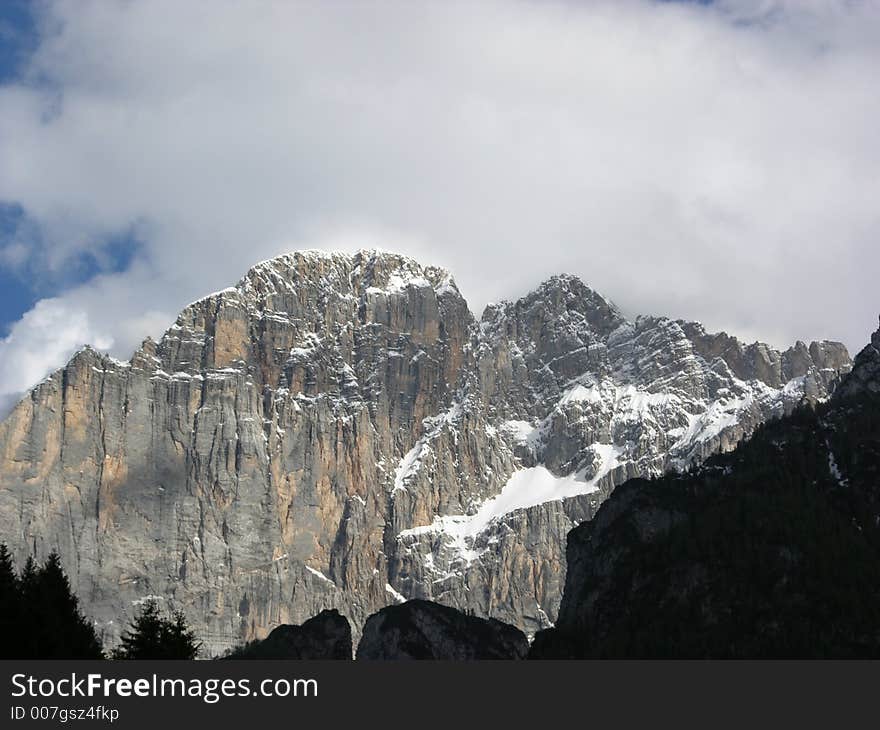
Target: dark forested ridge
772,550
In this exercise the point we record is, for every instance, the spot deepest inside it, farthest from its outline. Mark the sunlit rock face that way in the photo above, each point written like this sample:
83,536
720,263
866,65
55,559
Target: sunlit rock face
338,431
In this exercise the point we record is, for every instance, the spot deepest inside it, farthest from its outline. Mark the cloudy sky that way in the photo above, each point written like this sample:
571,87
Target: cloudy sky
711,161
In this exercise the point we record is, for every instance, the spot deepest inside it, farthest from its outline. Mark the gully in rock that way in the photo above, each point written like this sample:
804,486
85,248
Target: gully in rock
338,431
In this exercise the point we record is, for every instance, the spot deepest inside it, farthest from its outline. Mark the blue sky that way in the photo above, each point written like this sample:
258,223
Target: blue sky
709,161
18,33
17,40
17,292
21,286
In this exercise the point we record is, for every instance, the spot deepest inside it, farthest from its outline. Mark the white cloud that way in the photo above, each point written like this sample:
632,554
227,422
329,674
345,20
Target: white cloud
46,335
712,163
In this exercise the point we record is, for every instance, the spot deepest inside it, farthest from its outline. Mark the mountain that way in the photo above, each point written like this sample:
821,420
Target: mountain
772,550
339,431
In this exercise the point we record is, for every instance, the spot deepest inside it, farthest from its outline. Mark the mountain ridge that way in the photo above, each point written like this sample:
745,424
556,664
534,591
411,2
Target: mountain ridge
339,430
492,307
768,551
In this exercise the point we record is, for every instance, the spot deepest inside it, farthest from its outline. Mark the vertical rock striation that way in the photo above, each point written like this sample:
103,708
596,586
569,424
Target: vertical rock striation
338,431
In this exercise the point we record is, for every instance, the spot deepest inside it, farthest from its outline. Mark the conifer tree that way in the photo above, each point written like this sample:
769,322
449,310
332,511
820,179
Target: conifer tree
27,642
62,631
10,606
39,615
9,592
181,641
152,636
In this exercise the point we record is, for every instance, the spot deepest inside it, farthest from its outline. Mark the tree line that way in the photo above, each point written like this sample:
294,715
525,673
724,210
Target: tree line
40,619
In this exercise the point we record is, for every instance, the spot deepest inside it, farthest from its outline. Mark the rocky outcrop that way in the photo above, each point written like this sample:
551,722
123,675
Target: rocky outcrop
586,399
865,375
425,630
772,550
326,636
338,431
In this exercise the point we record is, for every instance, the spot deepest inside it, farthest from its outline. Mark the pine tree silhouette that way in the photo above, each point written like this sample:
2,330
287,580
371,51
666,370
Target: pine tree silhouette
40,617
62,631
181,641
151,636
10,607
27,642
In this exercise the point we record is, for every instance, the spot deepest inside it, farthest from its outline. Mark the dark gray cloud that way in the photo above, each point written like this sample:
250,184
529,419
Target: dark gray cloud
716,163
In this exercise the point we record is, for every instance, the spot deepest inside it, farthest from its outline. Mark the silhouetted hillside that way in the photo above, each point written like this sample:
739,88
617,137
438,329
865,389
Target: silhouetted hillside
325,636
772,550
426,630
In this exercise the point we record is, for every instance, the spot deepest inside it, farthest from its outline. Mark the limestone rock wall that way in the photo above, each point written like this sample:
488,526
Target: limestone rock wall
338,431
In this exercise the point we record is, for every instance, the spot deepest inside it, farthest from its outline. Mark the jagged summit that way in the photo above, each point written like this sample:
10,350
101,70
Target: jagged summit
865,375
563,295
365,269
377,271
338,431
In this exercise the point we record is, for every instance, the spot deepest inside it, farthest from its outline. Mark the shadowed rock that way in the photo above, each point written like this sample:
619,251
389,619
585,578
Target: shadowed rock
771,551
326,636
865,375
426,630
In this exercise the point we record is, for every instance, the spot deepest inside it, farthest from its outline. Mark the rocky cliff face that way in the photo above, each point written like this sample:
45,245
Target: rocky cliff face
772,550
864,379
338,431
